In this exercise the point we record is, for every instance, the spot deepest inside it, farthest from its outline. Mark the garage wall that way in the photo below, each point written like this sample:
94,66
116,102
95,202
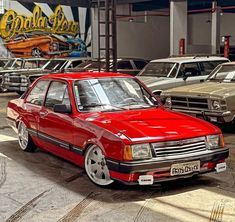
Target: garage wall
149,37
145,40
199,31
141,37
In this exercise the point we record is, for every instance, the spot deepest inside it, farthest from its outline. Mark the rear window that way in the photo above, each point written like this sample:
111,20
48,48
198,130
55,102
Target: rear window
124,65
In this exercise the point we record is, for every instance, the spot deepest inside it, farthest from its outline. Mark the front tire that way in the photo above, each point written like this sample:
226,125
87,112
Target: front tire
96,168
24,139
36,52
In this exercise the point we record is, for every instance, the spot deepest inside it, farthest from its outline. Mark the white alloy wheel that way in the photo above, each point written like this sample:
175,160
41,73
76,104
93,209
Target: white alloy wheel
95,166
23,136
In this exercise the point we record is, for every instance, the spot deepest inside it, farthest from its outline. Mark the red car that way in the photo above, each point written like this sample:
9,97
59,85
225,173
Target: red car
115,128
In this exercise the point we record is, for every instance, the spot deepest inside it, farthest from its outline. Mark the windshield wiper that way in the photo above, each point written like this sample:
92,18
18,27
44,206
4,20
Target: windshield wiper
102,104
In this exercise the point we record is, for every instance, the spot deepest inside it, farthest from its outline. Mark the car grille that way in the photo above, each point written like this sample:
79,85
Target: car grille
13,79
179,147
189,102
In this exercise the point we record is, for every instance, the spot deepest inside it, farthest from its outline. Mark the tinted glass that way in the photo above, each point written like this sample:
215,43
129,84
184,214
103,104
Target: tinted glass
191,69
140,64
36,96
158,69
57,94
124,65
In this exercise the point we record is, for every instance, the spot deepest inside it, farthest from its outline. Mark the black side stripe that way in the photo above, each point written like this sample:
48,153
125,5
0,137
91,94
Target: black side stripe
56,142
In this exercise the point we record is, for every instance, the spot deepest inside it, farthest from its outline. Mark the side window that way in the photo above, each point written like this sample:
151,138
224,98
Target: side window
37,94
209,66
191,69
57,94
140,64
124,65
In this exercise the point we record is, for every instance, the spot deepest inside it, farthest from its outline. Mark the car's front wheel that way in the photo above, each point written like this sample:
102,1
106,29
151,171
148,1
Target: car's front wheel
95,166
36,52
25,141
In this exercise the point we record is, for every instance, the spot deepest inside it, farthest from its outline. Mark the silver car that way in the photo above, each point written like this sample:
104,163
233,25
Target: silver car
163,74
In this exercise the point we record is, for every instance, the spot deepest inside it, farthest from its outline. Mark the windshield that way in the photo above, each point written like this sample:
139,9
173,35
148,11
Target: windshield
160,69
91,65
224,73
105,94
13,63
55,64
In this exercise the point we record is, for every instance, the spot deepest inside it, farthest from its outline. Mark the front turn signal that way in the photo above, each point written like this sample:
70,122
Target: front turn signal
127,154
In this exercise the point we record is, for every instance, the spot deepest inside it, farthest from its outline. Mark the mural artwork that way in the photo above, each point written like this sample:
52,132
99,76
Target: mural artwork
44,30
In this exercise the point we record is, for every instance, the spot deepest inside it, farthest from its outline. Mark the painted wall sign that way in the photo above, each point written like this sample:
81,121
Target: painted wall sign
40,29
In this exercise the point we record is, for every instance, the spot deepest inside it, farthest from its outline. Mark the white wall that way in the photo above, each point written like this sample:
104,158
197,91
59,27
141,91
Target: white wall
145,40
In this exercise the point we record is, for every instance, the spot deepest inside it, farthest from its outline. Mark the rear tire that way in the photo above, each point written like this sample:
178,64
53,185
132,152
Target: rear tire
24,139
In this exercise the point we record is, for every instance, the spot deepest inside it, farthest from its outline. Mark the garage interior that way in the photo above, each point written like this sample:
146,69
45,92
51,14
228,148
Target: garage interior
43,187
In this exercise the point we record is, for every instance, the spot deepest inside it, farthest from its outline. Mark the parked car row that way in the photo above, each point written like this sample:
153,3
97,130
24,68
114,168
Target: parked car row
20,76
212,100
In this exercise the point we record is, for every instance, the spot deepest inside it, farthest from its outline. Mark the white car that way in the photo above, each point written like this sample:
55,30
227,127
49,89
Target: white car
163,74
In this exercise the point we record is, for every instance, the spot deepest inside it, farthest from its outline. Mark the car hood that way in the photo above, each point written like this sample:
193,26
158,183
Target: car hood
213,89
155,124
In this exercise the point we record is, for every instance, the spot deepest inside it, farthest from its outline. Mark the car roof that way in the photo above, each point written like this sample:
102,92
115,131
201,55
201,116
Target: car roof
72,58
84,75
191,59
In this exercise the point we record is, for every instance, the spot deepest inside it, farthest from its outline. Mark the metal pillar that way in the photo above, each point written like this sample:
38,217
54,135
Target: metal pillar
178,24
110,33
215,28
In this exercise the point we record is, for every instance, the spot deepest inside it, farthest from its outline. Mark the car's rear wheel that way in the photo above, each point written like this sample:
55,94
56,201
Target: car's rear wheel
95,166
25,141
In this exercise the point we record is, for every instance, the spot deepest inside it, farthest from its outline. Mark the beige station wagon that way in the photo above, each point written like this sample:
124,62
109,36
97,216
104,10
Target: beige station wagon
213,100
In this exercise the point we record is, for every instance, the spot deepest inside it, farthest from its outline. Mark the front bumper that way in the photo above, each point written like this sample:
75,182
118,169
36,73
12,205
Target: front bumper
129,172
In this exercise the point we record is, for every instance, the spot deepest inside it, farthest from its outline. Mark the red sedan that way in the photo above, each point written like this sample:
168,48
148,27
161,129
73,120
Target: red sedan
115,128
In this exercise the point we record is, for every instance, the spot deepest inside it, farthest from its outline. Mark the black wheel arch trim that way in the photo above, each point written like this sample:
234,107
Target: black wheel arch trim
56,142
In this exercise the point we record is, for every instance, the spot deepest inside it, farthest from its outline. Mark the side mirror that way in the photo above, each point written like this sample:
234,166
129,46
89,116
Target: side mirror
62,108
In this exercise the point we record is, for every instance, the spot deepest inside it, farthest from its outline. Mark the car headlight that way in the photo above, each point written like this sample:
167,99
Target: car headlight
137,152
216,104
168,102
215,141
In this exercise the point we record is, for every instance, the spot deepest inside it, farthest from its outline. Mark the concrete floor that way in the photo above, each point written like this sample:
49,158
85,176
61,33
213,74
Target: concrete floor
41,187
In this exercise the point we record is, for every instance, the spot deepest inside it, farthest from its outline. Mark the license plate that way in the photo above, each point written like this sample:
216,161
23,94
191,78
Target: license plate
185,168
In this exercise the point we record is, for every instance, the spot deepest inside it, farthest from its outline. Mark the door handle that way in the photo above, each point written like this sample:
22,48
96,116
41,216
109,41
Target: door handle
43,113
